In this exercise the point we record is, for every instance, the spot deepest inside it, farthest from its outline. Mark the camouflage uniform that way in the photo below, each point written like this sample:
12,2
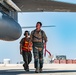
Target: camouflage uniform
38,38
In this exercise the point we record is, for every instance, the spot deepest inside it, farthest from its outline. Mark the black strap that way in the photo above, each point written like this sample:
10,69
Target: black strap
37,37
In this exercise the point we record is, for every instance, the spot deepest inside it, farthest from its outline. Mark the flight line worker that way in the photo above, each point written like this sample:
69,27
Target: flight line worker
38,38
25,50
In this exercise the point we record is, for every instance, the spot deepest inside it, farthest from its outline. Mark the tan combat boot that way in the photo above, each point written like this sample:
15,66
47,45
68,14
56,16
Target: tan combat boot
40,70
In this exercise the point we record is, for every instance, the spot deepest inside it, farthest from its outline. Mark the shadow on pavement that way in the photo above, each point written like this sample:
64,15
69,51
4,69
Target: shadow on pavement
21,71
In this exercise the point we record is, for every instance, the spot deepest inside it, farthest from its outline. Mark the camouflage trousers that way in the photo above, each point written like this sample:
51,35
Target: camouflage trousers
38,54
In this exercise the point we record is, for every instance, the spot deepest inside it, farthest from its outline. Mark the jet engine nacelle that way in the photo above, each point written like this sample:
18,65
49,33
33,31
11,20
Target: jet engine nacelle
10,30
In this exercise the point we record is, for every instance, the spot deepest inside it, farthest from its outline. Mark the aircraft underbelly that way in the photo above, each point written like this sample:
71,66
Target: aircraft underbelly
10,30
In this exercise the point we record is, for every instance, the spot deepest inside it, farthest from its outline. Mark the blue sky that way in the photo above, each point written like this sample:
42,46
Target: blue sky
68,1
61,39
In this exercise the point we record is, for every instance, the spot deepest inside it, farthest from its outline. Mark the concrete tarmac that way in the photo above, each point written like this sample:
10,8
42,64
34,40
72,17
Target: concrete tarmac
48,69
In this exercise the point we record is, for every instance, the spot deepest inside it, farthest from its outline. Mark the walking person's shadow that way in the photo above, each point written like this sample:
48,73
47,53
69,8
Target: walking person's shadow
21,71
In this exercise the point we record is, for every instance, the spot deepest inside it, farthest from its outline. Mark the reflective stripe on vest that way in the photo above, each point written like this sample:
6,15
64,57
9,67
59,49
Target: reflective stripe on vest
27,46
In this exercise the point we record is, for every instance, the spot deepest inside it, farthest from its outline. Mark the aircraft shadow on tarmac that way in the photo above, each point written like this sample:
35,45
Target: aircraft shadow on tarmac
21,71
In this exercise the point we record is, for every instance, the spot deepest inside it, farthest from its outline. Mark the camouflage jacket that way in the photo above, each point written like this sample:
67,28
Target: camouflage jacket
38,36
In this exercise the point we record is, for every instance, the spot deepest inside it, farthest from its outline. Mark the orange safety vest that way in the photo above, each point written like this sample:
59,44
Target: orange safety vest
27,46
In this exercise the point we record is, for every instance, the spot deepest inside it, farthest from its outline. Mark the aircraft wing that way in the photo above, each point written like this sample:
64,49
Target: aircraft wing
44,6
